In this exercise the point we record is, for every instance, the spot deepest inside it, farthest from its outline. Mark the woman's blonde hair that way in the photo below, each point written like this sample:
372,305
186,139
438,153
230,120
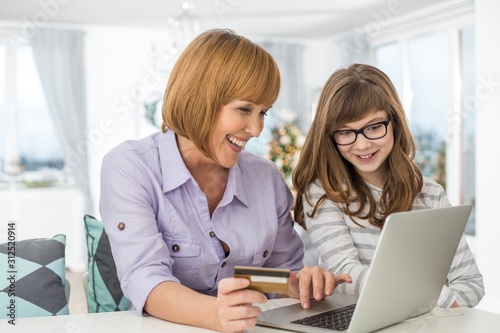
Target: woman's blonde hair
217,67
349,95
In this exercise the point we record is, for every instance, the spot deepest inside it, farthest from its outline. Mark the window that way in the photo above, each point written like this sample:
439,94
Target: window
388,59
30,147
434,76
38,143
429,76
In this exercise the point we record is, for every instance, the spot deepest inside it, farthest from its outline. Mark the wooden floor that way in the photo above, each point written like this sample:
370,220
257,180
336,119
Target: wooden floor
77,298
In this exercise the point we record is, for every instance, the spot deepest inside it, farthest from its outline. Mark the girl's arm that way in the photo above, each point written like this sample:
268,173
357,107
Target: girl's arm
333,241
465,283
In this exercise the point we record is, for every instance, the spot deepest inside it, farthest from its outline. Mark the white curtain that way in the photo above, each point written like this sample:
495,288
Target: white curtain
291,103
59,56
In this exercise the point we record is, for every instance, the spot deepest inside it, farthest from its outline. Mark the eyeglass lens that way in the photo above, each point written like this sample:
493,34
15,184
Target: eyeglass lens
371,132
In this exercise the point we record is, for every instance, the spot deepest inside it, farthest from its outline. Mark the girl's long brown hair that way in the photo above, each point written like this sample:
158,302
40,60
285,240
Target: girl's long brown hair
349,95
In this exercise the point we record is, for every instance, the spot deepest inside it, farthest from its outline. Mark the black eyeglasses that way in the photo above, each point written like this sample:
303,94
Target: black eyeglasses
371,132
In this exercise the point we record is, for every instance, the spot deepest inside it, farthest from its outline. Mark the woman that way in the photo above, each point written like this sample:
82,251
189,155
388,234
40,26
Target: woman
184,206
355,169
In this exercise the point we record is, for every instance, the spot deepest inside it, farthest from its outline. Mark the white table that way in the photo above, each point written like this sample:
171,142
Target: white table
460,320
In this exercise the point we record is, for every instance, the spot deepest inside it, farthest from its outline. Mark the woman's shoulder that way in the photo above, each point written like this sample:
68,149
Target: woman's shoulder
136,144
133,148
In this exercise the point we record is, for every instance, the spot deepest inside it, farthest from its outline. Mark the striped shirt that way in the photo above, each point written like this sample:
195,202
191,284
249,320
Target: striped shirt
344,247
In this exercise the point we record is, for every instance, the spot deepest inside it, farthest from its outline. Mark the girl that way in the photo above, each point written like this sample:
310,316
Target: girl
355,169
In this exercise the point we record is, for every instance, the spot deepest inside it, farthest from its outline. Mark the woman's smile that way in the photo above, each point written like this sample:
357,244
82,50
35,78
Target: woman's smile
235,143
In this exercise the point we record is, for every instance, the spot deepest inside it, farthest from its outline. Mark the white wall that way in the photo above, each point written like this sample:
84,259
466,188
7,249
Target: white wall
487,140
52,211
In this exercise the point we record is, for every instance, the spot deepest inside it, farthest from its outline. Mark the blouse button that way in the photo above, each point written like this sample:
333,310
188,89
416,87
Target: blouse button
224,264
176,248
265,254
212,234
121,226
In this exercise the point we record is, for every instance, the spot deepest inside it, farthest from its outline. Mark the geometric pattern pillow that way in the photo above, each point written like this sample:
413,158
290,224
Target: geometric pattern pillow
35,285
104,293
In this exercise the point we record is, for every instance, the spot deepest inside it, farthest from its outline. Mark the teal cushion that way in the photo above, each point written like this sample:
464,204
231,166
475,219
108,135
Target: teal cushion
39,276
104,293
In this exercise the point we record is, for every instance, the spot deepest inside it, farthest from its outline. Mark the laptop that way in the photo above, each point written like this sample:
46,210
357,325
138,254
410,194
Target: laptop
406,276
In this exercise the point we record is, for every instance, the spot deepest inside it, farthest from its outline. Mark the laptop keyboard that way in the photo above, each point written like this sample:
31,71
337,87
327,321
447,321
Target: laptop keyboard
335,320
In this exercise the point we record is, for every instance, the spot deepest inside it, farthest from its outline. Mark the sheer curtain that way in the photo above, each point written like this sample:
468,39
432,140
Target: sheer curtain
59,56
291,102
291,105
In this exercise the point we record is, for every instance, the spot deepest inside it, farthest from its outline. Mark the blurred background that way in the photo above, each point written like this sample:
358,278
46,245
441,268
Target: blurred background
79,77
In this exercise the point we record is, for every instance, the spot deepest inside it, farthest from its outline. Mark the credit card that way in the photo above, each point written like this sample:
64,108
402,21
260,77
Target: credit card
266,280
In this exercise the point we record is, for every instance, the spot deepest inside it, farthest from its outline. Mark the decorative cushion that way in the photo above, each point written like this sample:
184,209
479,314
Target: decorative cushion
104,292
39,277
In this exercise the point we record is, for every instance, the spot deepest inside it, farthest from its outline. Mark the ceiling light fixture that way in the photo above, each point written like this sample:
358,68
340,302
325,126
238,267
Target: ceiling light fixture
184,27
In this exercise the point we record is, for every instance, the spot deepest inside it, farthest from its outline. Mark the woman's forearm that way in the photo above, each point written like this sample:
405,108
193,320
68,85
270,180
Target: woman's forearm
176,303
